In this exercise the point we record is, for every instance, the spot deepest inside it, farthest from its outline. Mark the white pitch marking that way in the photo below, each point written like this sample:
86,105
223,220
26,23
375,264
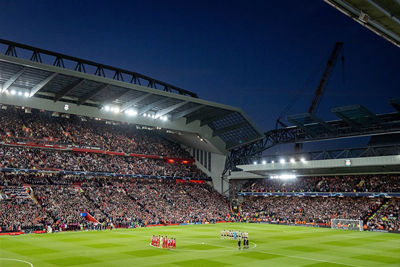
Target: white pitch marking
8,259
303,258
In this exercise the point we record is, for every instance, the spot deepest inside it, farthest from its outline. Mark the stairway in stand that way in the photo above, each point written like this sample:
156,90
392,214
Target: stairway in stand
372,213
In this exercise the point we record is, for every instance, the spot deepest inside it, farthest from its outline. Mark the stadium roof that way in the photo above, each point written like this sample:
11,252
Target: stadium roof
89,88
354,120
380,16
361,165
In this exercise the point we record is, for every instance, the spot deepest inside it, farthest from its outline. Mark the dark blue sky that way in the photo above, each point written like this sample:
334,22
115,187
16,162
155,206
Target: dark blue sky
252,54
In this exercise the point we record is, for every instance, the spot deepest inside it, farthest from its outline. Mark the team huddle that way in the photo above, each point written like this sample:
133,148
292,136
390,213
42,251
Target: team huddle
163,242
236,235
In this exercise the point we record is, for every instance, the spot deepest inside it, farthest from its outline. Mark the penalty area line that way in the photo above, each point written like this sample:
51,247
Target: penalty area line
9,259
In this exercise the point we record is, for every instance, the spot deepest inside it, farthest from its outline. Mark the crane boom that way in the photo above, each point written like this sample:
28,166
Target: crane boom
325,77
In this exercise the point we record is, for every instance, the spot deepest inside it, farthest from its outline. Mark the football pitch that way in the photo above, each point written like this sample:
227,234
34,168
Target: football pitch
201,245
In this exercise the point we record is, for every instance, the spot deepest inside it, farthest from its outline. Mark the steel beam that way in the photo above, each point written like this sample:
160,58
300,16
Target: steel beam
216,117
134,101
152,105
186,112
201,115
68,89
92,93
40,85
11,80
101,69
351,123
229,128
170,109
120,95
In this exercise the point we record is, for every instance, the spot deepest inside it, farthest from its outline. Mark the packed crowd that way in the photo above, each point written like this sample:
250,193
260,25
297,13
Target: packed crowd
56,199
49,159
387,218
19,124
307,209
354,183
60,200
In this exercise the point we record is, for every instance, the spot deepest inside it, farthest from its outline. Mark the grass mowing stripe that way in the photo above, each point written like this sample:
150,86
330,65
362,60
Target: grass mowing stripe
199,245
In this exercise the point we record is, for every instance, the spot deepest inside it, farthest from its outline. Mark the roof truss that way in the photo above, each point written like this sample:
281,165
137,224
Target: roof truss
12,79
229,128
134,101
186,112
152,105
167,110
68,89
92,93
40,85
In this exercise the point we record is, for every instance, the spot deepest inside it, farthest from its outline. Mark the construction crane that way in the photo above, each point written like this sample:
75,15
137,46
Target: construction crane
320,89
330,65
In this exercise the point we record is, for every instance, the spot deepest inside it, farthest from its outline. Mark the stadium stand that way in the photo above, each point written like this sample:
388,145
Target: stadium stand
60,201
354,183
302,210
30,125
377,213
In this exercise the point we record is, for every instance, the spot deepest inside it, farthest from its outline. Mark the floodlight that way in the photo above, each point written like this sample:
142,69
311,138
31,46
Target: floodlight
20,93
292,160
303,160
255,162
13,92
283,176
107,108
273,161
282,161
26,94
264,162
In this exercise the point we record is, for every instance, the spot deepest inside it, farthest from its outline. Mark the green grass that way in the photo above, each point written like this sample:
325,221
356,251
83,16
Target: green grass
201,245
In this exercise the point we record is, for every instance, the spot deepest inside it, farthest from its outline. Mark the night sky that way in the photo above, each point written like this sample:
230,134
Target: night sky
256,55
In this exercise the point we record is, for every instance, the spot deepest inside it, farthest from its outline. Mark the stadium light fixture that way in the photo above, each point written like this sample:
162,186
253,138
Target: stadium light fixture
292,160
20,93
282,161
264,162
107,108
163,118
303,160
283,176
255,162
273,161
131,112
13,92
26,94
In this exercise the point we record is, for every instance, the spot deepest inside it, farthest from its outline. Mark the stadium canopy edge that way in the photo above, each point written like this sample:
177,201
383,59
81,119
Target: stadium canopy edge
380,16
87,90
